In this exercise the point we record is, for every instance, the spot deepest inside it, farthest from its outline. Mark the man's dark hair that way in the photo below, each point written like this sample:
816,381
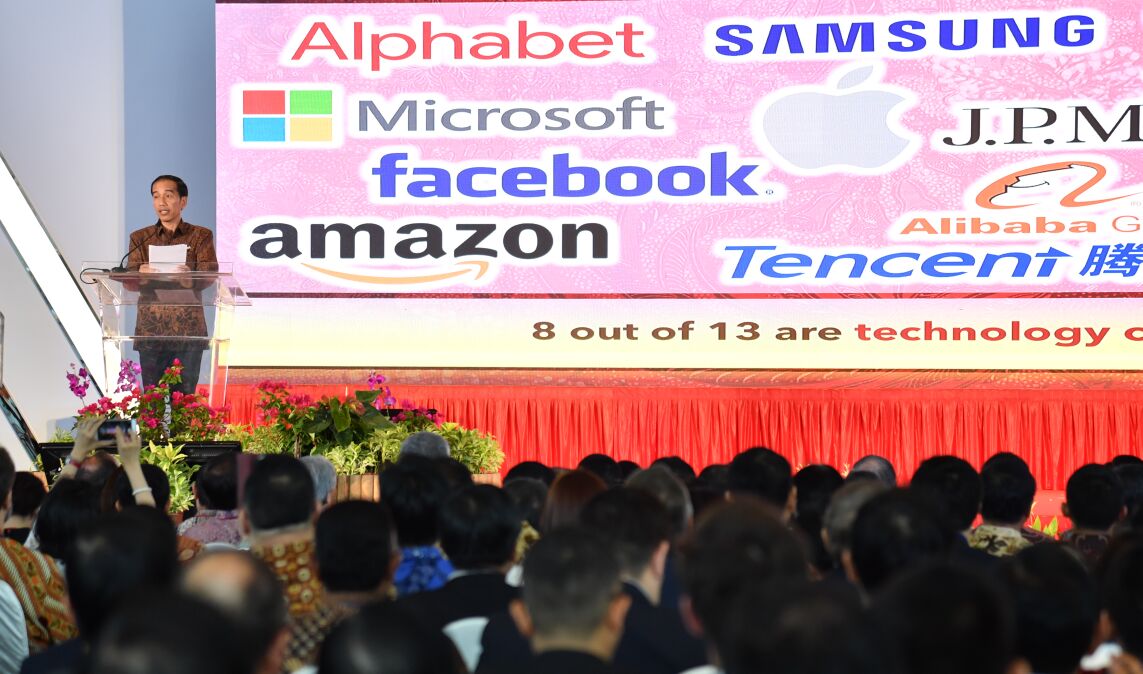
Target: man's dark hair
1094,497
634,521
628,468
953,485
156,479
531,469
761,472
801,628
97,468
816,484
455,473
66,511
604,467
1121,590
180,185
28,492
7,472
894,532
354,545
1131,478
877,466
385,637
571,577
709,489
413,489
279,493
119,554
1056,604
664,485
677,465
479,528
1125,460
947,619
1007,490
171,633
217,482
527,495
732,545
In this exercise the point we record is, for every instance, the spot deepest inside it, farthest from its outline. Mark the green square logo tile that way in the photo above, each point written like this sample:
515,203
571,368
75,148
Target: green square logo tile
311,102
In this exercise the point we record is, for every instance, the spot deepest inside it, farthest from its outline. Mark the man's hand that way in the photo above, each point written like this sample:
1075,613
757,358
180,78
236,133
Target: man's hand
87,438
146,268
129,447
1125,664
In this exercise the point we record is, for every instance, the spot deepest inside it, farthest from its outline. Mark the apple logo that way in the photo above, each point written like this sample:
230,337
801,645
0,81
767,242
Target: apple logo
852,125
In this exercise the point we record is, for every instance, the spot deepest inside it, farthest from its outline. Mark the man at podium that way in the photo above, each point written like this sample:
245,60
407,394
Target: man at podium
157,318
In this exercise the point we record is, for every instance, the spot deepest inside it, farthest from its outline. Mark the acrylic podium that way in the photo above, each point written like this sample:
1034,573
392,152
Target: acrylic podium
194,308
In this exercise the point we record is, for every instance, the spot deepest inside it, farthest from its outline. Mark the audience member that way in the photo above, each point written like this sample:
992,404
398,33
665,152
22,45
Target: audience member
96,468
28,493
413,490
877,466
532,469
455,473
1007,490
386,639
427,444
837,522
527,496
1094,504
765,474
709,488
118,495
216,501
567,497
1130,477
604,467
669,490
815,485
627,469
893,532
277,517
67,510
1121,593
324,476
953,487
677,465
1125,460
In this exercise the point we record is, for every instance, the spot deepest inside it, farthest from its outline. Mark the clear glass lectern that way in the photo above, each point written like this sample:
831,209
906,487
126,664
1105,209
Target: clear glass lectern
169,309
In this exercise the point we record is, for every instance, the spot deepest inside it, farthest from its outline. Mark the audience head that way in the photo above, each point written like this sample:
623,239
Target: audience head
123,496
846,502
323,474
427,444
1130,477
734,544
815,486
67,510
216,483
953,485
627,469
1056,604
763,473
531,469
114,557
455,473
709,489
571,592
664,485
677,465
894,532
355,547
877,466
384,638
245,590
96,469
1121,591
947,619
413,489
567,497
639,530
1007,490
604,467
479,528
28,493
278,494
527,495
1094,498
1125,460
7,475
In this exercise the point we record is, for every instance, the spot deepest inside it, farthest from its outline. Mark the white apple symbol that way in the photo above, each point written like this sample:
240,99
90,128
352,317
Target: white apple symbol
848,126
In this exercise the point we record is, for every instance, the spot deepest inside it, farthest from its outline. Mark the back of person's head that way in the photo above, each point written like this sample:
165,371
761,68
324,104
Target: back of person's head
479,528
947,619
677,465
798,628
66,511
953,485
763,473
604,467
28,492
279,493
124,495
531,469
664,485
709,489
171,633
217,482
1007,490
249,594
635,522
116,556
1094,497
566,498
1130,477
571,579
455,473
384,638
413,490
7,473
816,484
1125,460
527,495
355,545
97,468
733,544
894,532
1121,590
1056,603
427,444
846,502
628,468
323,474
877,466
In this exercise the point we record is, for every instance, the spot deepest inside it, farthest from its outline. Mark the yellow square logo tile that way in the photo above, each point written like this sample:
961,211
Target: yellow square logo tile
311,129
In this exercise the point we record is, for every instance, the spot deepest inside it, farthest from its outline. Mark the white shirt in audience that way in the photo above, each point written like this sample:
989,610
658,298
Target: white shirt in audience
13,631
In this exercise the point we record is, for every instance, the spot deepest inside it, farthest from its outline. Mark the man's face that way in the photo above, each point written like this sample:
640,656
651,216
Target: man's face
167,202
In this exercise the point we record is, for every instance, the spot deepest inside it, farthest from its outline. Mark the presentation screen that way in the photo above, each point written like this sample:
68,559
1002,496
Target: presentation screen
685,184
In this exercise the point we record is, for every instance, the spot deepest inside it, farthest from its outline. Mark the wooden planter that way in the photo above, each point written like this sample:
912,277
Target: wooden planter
368,487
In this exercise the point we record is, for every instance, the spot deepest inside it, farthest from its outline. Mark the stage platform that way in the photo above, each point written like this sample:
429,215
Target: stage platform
1056,420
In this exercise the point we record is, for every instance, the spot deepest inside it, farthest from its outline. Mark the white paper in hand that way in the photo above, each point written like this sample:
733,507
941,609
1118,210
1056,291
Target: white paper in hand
167,258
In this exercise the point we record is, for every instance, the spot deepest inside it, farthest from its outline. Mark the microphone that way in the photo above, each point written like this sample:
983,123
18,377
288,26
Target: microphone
119,268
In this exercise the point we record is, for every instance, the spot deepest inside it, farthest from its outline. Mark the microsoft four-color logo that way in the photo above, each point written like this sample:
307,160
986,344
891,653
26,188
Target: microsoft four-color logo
294,117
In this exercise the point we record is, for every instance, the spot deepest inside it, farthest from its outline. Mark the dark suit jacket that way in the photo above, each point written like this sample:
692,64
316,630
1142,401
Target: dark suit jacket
560,662
475,595
68,656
